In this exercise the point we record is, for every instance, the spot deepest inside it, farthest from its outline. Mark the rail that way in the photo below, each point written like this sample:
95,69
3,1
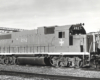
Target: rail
44,76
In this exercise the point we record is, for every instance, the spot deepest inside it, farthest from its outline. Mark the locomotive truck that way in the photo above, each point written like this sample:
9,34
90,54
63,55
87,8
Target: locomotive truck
67,45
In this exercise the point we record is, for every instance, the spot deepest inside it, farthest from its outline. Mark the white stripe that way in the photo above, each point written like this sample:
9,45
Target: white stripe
51,53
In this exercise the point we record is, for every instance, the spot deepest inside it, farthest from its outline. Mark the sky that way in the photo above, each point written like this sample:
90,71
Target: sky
30,14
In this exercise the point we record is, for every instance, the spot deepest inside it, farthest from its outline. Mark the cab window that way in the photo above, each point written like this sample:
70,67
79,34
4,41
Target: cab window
61,35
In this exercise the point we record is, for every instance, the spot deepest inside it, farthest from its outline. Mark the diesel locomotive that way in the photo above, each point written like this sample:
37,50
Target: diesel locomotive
67,45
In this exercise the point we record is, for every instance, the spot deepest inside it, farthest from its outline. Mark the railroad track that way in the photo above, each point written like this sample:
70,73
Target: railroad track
45,76
50,72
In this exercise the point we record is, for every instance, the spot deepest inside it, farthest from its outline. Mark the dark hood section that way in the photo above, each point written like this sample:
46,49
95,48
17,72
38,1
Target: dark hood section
77,29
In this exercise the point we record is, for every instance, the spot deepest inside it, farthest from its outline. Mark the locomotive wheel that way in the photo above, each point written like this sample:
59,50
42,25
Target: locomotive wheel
60,64
69,64
80,64
97,66
54,62
6,61
14,60
11,60
1,60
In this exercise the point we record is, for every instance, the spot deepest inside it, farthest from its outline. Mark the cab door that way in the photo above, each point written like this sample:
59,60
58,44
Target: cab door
61,40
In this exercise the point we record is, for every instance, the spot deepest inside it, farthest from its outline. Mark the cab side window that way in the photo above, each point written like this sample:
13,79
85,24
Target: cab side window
61,35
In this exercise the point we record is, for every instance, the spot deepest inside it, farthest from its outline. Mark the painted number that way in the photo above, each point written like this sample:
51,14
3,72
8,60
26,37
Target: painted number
23,40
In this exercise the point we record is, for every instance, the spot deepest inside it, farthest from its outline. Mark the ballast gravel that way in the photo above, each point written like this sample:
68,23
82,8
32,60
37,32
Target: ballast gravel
6,77
52,71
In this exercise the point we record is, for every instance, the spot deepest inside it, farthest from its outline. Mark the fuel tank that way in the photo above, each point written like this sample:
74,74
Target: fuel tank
33,60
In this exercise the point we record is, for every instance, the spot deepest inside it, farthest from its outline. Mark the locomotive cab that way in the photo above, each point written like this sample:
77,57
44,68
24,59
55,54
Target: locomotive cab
70,38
